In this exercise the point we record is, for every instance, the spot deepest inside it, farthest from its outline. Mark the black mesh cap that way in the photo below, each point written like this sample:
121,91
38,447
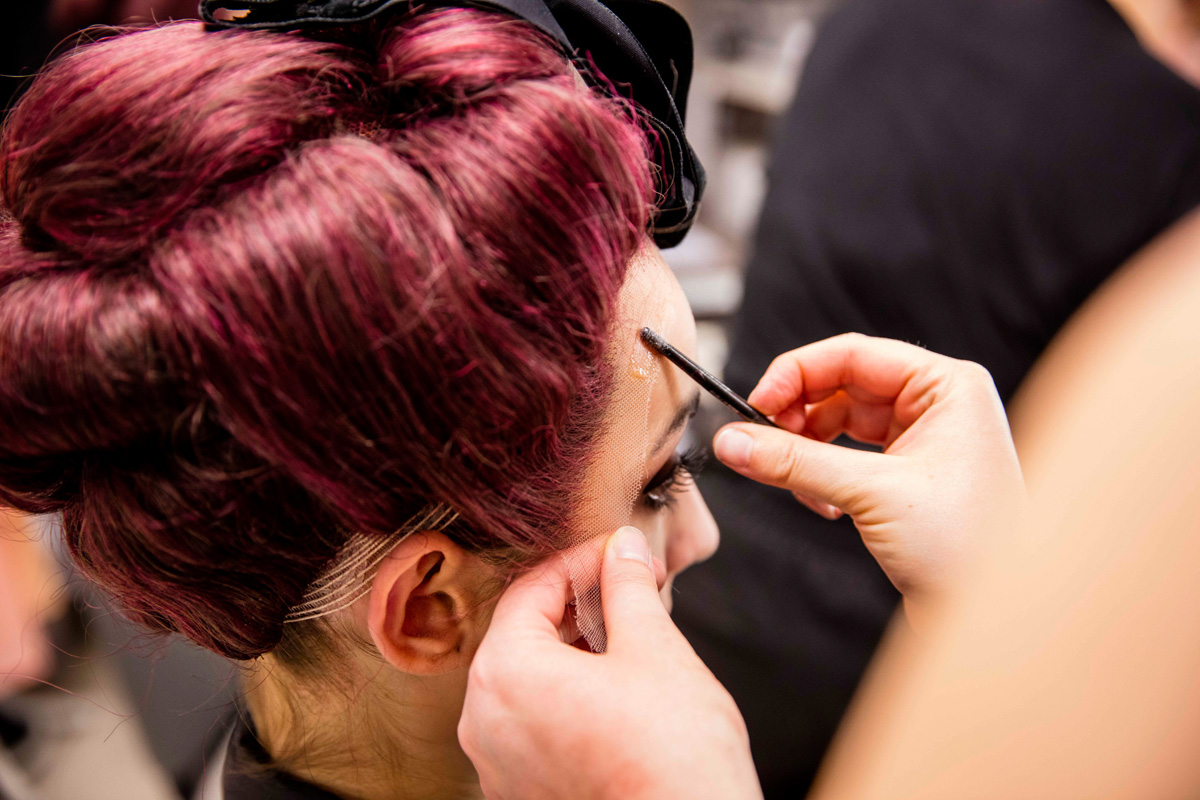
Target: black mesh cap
642,48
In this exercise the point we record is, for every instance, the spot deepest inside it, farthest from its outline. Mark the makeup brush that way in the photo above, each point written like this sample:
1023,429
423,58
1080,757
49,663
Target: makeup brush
708,382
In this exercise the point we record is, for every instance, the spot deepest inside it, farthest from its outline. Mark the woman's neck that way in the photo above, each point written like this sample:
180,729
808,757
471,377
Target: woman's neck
381,736
1168,29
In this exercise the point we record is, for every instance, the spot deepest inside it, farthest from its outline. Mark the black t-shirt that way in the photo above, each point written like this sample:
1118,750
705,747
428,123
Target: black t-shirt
960,174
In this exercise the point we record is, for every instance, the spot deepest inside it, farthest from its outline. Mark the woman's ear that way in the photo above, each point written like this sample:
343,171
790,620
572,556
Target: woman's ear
422,600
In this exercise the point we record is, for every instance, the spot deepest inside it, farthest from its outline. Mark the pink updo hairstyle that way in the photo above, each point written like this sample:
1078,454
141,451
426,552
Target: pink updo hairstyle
259,290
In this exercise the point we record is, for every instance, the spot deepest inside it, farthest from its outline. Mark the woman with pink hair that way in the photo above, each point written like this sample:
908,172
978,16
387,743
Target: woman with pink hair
313,341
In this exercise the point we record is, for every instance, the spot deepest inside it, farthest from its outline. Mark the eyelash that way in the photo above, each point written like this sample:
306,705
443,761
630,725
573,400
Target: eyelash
662,493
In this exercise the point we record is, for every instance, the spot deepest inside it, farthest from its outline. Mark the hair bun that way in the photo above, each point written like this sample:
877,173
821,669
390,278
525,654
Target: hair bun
435,62
235,324
71,177
80,371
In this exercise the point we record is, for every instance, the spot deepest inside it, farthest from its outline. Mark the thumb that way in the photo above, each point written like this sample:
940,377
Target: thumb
532,606
633,610
828,473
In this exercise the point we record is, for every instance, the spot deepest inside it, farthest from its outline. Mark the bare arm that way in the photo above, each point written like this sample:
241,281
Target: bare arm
1070,666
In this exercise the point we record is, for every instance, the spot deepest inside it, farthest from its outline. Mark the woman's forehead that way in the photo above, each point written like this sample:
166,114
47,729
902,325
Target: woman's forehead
646,395
652,297
647,390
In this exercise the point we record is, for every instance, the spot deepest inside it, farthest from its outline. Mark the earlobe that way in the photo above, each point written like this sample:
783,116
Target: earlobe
418,603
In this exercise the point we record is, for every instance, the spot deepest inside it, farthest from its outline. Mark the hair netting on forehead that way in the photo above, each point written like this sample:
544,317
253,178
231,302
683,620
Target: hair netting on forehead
613,478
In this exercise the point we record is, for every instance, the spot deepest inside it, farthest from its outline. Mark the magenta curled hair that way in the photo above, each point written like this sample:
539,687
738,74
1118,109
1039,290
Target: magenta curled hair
259,289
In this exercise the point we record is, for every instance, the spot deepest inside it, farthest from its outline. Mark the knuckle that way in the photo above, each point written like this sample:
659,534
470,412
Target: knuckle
734,719
976,372
779,362
782,372
789,466
977,378
636,576
496,684
852,340
482,675
466,731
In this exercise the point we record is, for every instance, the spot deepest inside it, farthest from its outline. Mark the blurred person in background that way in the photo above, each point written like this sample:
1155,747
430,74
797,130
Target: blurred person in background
30,592
961,174
67,726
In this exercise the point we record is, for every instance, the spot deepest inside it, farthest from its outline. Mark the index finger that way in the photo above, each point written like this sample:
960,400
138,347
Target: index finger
869,369
534,604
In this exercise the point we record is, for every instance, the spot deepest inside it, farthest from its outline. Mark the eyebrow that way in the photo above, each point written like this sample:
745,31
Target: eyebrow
682,416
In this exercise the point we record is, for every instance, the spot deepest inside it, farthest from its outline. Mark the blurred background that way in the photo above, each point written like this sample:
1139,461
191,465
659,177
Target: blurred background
961,174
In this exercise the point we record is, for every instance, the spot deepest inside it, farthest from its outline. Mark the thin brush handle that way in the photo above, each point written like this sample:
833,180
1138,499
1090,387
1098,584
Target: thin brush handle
709,382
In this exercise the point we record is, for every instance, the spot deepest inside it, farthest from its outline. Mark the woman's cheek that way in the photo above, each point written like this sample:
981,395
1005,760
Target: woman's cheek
694,534
655,526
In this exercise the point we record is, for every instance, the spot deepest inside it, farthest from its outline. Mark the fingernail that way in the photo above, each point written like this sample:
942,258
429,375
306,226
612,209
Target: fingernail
734,447
631,544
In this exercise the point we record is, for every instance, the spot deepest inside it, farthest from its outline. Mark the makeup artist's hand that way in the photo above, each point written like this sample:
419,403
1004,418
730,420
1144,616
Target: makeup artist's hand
948,478
646,720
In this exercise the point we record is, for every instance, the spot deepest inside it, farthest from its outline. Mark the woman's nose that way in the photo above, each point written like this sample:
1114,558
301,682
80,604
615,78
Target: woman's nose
694,536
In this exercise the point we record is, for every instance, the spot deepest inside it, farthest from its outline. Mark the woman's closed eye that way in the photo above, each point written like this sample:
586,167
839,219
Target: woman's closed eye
674,476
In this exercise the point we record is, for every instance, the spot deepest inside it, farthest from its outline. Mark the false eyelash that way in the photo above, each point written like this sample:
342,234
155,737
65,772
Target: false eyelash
666,491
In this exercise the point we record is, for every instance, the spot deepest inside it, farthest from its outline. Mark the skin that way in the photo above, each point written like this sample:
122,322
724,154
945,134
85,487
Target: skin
1068,666
1169,29
686,533
935,500
626,725
1054,656
1062,665
652,722
388,730
29,596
